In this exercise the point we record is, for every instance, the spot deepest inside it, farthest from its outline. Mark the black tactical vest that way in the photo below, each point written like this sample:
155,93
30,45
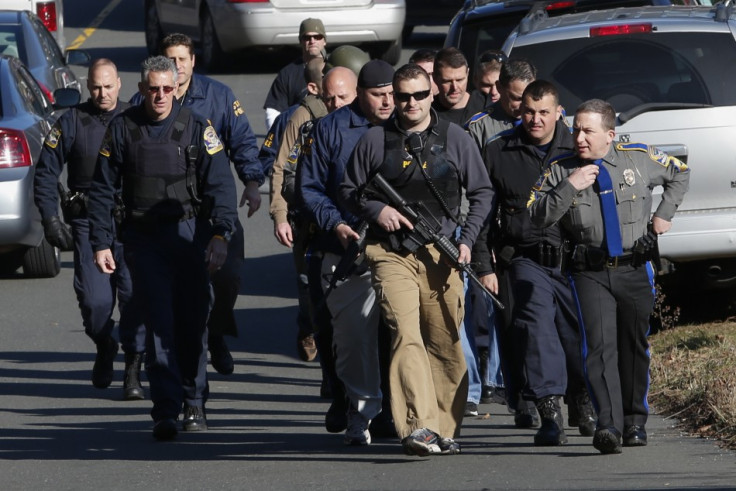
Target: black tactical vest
89,128
400,168
158,181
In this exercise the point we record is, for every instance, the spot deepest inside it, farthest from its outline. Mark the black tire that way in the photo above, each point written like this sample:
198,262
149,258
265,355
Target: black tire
152,28
212,54
393,53
43,261
10,262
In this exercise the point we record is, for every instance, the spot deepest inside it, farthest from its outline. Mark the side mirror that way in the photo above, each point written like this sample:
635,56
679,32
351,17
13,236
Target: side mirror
77,57
66,97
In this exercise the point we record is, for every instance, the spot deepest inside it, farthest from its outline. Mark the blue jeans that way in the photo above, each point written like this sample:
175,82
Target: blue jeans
480,317
467,340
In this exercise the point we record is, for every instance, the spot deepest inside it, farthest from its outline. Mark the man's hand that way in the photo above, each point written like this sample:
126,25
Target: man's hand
104,261
490,281
252,196
346,234
215,254
464,254
660,225
583,177
284,234
391,220
57,233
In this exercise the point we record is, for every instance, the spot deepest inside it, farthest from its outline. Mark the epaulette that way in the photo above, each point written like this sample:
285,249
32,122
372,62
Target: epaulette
500,134
555,161
478,116
632,146
655,154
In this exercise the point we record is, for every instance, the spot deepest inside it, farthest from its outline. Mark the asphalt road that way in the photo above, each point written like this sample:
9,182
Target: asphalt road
266,420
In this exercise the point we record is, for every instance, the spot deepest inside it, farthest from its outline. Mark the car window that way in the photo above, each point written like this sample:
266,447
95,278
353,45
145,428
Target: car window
33,98
10,40
677,67
48,44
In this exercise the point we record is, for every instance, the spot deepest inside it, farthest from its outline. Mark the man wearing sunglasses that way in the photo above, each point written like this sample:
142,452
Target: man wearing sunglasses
506,113
180,212
428,161
289,87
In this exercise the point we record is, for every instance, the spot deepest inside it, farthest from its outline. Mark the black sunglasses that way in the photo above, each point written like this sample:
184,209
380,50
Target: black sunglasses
153,89
418,96
497,56
316,37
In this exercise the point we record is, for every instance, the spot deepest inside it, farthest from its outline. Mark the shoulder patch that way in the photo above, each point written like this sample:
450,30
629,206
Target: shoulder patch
52,139
237,108
105,145
212,142
268,142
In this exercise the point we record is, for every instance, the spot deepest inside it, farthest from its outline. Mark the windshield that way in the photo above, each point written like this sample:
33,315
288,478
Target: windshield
680,67
9,39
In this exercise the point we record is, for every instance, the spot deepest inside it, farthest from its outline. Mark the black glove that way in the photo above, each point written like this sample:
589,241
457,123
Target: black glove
58,233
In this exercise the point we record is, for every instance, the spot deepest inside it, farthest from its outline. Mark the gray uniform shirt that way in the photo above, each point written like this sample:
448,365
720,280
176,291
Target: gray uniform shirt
488,124
635,169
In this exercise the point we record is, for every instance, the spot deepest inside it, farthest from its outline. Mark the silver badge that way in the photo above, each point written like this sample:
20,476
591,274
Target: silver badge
629,177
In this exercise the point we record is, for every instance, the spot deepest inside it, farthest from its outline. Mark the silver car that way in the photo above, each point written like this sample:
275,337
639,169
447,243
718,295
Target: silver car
228,26
26,116
668,72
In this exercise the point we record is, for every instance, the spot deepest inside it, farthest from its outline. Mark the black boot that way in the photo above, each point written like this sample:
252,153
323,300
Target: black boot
582,414
132,390
551,433
102,369
220,356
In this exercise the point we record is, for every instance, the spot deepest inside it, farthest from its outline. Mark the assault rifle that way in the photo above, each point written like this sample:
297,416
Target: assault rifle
426,232
351,259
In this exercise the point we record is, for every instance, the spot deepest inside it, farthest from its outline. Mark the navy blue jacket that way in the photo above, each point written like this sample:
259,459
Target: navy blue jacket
217,103
321,169
270,148
212,170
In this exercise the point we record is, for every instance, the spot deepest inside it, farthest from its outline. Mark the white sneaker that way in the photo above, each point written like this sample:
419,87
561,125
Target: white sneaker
357,432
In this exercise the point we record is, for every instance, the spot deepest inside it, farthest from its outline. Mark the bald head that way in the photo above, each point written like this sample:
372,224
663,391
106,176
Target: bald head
339,88
103,84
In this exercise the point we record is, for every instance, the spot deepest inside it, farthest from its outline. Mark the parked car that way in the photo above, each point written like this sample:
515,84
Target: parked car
26,116
668,72
229,26
51,13
485,24
23,35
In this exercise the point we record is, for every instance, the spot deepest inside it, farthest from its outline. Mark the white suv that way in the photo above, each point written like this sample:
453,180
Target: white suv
51,13
669,73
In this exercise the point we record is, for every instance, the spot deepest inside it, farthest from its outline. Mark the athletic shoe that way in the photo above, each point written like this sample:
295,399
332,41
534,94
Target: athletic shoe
357,432
471,409
421,442
448,446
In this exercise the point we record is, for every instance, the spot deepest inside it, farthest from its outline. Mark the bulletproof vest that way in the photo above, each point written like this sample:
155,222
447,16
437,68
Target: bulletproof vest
400,168
89,129
157,179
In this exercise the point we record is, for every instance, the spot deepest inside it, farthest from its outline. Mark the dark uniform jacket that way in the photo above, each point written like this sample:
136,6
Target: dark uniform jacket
212,170
514,166
75,138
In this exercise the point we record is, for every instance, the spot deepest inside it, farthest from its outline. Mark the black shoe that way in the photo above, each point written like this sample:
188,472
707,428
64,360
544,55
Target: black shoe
382,426
471,409
635,436
165,429
336,419
194,419
551,432
132,389
525,415
607,440
582,414
102,369
220,356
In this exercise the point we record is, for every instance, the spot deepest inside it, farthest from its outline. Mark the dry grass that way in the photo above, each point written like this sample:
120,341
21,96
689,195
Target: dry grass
693,378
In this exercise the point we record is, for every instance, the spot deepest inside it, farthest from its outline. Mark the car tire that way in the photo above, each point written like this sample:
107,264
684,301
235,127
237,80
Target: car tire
212,54
43,261
392,54
154,33
10,262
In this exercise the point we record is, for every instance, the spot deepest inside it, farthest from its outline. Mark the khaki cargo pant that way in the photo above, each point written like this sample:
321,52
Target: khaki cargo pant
421,299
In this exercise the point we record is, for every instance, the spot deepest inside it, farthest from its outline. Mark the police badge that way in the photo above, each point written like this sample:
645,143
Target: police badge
629,177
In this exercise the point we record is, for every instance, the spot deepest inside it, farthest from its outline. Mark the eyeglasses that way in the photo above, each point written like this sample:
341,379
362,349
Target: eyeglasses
489,56
154,89
418,96
316,37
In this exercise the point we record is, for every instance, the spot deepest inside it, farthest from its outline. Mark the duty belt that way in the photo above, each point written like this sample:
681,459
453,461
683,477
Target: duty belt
587,258
543,254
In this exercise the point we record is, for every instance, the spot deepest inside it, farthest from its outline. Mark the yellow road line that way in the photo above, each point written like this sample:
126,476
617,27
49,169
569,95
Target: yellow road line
88,31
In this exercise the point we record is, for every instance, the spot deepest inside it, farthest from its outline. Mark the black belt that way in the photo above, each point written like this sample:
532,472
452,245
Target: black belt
543,254
586,258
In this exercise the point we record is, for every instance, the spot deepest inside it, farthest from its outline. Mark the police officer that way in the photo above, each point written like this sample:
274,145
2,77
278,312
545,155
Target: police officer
602,197
76,138
453,101
180,211
514,77
421,295
544,318
352,304
216,102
